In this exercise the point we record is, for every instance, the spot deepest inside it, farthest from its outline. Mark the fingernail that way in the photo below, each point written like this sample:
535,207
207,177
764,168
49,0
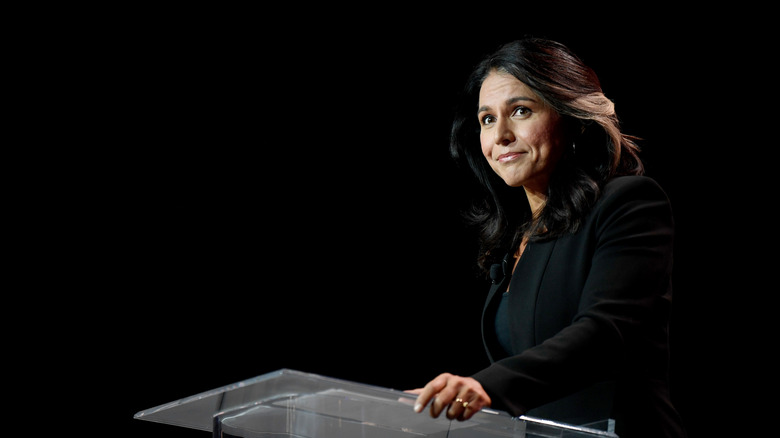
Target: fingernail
418,407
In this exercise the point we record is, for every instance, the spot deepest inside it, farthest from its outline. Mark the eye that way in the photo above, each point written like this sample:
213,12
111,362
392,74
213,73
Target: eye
522,111
487,119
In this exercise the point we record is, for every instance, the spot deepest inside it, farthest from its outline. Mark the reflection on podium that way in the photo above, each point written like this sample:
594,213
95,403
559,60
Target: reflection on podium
288,403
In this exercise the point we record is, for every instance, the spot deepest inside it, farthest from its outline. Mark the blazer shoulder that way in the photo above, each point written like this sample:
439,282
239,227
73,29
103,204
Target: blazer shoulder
622,184
637,188
634,197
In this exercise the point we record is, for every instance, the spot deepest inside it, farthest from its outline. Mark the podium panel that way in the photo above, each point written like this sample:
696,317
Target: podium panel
288,403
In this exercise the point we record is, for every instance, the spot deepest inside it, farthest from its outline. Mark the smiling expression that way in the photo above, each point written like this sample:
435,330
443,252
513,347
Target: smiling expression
522,138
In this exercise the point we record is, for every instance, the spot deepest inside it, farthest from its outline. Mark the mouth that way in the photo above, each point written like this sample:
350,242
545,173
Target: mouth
509,156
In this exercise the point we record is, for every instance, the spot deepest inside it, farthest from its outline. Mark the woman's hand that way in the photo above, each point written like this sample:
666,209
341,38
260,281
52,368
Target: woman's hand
461,396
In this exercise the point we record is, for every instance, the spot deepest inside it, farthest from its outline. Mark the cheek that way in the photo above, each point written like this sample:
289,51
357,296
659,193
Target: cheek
547,141
547,147
487,148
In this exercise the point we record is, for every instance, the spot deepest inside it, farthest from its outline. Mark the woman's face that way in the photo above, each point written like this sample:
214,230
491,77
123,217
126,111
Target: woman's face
522,138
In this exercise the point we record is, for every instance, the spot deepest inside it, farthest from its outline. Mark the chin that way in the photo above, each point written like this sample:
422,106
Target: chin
514,182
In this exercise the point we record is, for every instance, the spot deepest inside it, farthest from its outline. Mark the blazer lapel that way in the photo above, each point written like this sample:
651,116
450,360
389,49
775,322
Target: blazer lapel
522,296
524,291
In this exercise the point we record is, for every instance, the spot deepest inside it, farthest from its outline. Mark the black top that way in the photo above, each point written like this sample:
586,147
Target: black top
502,324
587,319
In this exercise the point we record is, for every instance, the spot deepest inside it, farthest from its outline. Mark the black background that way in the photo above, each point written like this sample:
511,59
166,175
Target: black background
274,191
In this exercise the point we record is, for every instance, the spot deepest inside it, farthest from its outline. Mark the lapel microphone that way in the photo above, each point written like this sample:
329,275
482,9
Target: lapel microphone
499,271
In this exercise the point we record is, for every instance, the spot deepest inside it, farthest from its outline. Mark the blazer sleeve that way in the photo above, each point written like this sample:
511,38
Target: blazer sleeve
623,309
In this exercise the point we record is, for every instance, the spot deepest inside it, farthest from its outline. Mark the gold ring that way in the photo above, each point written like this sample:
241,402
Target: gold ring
465,404
458,400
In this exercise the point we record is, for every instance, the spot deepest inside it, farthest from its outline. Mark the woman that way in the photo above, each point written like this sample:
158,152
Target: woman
577,243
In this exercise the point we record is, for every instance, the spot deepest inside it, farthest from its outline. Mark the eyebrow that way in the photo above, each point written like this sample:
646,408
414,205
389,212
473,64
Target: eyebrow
508,102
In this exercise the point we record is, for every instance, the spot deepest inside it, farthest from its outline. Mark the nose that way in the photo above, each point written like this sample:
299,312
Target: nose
504,134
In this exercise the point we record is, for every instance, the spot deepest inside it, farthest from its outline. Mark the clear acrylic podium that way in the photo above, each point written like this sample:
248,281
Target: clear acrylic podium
288,403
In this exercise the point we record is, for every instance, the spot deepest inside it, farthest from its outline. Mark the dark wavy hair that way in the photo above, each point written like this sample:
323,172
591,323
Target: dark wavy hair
602,151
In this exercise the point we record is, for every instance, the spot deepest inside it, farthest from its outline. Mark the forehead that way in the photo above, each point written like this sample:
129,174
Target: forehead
498,87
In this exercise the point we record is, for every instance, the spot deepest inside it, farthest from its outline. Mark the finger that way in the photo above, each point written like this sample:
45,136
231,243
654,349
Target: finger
469,408
455,409
458,407
429,391
473,405
444,398
406,401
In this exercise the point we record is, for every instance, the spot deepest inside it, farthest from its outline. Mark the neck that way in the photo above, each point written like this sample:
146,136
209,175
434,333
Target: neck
536,199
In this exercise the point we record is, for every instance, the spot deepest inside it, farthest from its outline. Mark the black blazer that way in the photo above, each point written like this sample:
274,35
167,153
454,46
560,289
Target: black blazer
589,319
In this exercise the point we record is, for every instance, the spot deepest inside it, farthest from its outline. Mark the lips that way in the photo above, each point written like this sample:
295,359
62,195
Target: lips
509,156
